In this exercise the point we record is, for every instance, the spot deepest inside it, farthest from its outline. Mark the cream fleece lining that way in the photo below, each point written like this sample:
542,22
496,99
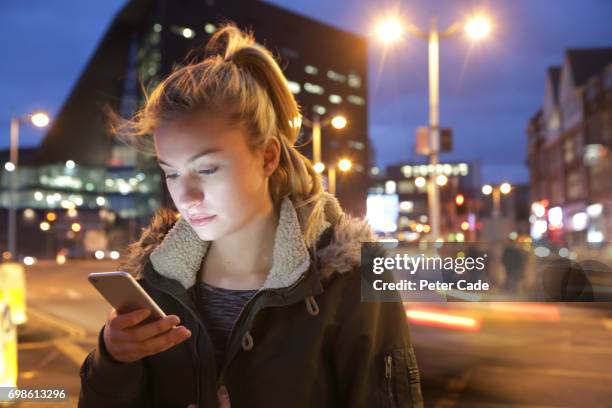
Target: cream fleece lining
179,256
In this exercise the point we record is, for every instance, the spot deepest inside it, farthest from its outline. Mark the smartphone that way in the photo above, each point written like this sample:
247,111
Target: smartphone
122,291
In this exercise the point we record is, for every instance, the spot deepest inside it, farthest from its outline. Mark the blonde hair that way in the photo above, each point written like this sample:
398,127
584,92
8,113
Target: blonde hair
240,80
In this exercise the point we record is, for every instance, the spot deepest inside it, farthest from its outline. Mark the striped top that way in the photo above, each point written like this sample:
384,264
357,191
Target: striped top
220,308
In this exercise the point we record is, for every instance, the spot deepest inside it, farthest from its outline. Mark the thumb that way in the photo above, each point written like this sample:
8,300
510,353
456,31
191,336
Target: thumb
223,395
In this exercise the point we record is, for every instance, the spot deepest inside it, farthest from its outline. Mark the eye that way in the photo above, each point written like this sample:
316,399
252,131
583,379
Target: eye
208,171
171,176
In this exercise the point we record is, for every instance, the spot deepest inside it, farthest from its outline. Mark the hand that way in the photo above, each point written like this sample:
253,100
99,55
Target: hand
222,395
126,341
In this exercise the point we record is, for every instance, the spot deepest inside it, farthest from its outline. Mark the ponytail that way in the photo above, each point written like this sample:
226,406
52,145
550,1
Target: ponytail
240,79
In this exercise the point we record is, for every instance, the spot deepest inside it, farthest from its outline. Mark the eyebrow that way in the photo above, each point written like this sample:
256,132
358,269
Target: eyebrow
194,157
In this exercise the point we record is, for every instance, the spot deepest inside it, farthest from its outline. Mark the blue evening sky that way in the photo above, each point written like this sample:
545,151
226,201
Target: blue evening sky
488,90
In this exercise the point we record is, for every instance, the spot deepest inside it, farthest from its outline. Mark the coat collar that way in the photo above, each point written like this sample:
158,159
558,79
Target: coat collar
179,256
175,251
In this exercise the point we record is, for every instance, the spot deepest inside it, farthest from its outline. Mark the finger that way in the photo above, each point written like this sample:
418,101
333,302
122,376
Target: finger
162,342
146,331
125,320
192,406
223,396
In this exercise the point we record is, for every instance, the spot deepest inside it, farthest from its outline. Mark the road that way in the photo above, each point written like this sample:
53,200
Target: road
508,355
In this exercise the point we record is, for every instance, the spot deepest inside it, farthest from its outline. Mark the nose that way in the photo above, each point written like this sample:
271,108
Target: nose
192,195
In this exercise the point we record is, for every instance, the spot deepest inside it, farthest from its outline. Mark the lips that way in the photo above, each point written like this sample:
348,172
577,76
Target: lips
200,220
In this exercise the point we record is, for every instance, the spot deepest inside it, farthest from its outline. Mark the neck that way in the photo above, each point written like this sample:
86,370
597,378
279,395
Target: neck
242,260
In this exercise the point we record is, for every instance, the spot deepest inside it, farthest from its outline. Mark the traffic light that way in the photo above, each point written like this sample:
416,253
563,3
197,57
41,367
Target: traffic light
460,203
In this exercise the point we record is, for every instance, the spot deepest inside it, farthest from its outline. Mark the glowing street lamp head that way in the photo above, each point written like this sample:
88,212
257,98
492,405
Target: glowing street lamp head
339,122
344,165
420,181
478,27
441,180
487,189
505,188
389,30
40,119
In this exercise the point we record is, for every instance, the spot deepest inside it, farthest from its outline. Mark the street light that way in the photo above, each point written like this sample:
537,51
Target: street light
343,165
390,30
337,122
496,191
38,119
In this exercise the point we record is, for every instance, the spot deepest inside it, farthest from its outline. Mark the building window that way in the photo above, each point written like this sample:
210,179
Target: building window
354,144
354,81
289,52
355,100
311,69
333,98
183,31
405,187
319,109
335,76
294,87
314,88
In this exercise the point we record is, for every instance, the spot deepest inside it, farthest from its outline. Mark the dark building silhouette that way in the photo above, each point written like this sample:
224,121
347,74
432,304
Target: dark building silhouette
327,69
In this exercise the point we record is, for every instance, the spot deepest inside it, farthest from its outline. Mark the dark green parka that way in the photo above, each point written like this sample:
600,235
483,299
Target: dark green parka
304,340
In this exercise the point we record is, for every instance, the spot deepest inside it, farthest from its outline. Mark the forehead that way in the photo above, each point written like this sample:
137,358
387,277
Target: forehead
180,139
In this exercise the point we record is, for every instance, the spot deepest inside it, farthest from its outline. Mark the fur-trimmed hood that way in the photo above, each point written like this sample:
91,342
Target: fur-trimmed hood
176,252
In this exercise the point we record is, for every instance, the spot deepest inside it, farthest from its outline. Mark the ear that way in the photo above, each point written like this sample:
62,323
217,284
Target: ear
271,156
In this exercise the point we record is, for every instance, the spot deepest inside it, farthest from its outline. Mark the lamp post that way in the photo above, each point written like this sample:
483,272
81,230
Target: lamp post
496,193
390,30
343,165
338,122
38,119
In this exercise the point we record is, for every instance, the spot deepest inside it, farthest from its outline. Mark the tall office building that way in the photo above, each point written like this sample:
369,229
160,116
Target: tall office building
326,68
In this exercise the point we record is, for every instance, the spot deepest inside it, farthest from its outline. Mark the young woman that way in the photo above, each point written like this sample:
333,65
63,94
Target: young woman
258,273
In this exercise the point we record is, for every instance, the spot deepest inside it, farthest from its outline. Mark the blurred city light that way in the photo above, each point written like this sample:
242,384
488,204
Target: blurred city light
40,119
99,254
29,214
339,122
70,164
51,216
505,188
76,227
61,257
188,33
478,27
45,226
487,189
459,199
319,167
441,180
441,318
389,30
538,209
420,182
9,166
344,165
114,255
29,260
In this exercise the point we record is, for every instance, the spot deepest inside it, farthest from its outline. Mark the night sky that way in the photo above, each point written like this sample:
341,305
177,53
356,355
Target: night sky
488,90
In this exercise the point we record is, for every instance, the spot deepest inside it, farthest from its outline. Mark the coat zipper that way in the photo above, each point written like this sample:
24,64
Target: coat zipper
195,339
388,379
237,324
